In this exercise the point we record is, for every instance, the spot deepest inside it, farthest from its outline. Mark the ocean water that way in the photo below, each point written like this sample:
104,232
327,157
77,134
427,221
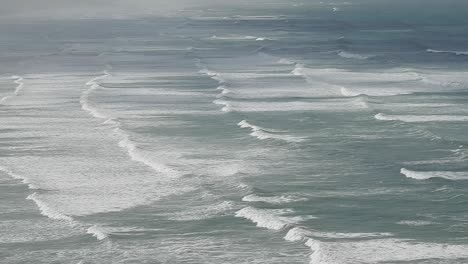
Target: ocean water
281,132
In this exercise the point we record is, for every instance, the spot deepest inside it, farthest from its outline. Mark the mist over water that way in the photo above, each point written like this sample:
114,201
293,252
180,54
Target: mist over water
264,132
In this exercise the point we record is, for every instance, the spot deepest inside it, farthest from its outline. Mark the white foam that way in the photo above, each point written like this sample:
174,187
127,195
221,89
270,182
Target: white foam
267,218
48,211
382,250
348,55
234,37
97,232
415,223
327,105
263,133
298,234
23,179
425,175
272,199
286,62
227,106
19,81
203,212
137,155
19,86
84,99
422,118
459,53
334,235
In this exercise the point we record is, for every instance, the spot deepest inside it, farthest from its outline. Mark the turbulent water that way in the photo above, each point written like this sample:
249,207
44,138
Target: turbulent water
295,132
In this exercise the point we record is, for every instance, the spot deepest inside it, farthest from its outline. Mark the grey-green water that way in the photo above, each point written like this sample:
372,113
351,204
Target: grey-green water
293,133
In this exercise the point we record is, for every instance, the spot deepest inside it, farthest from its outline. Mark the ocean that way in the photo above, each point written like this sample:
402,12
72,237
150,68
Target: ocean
274,132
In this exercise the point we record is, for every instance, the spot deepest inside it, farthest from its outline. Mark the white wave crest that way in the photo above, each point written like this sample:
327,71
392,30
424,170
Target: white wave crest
19,86
138,156
458,53
348,55
283,199
48,211
23,179
425,175
382,251
415,223
267,218
298,234
97,232
421,118
227,105
263,133
84,99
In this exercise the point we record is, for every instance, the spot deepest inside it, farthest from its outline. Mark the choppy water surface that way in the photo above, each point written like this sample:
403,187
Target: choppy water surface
293,133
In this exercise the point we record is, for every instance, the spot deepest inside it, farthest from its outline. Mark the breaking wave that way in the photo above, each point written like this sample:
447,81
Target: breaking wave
97,232
263,133
270,219
48,211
